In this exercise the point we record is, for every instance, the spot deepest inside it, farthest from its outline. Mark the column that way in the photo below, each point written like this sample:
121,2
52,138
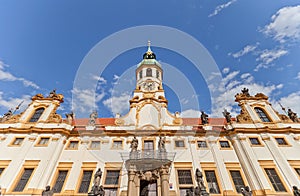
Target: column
58,142
164,176
281,161
131,189
218,158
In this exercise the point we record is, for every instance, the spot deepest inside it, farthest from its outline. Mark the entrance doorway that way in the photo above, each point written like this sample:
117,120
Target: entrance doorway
148,188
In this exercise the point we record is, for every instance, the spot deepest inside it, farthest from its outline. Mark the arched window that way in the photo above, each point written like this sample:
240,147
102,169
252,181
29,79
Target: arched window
157,74
149,72
140,74
37,114
262,115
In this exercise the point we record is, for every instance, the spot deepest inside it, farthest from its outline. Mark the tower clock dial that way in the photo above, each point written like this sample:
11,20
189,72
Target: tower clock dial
148,86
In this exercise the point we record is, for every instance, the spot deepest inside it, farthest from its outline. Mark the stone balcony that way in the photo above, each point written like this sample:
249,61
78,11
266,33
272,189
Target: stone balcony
146,160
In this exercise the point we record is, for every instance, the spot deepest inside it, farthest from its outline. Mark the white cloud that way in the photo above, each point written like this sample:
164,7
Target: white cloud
233,86
84,100
13,102
225,70
7,76
190,114
298,76
221,7
99,79
290,101
118,104
245,50
285,24
266,57
247,77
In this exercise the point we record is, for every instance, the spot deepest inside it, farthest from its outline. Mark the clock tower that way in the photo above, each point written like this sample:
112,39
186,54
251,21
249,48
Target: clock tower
148,107
149,73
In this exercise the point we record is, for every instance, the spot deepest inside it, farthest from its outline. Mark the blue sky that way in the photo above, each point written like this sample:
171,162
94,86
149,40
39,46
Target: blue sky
254,44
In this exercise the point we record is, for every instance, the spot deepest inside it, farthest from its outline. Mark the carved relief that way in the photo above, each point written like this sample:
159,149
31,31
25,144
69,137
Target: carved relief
177,121
52,96
119,121
244,116
283,117
13,119
54,118
149,175
244,95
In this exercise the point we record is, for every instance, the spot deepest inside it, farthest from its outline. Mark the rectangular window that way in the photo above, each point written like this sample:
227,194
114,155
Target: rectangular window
224,144
275,180
183,191
85,181
60,180
44,141
112,177
18,141
23,180
117,144
111,191
95,145
298,171
185,177
73,145
281,141
141,74
1,170
254,141
213,186
179,143
237,180
202,144
148,145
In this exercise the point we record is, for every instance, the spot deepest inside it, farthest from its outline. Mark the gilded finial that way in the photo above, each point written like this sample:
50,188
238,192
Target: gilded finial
149,54
149,48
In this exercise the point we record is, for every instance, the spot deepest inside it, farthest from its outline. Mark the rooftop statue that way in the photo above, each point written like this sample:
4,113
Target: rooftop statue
204,118
293,116
227,116
93,117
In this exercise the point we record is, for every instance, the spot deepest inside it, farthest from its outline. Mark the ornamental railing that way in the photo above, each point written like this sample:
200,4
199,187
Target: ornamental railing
147,159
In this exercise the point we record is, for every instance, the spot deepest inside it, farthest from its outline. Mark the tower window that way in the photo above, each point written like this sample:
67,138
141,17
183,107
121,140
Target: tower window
157,74
262,115
148,72
141,74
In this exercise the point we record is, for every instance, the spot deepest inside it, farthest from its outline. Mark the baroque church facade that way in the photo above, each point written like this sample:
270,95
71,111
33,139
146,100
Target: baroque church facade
150,151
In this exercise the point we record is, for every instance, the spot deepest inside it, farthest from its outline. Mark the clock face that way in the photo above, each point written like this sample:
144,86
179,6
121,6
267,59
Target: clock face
149,86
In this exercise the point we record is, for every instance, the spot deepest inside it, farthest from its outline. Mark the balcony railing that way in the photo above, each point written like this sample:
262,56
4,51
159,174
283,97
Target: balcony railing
147,159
